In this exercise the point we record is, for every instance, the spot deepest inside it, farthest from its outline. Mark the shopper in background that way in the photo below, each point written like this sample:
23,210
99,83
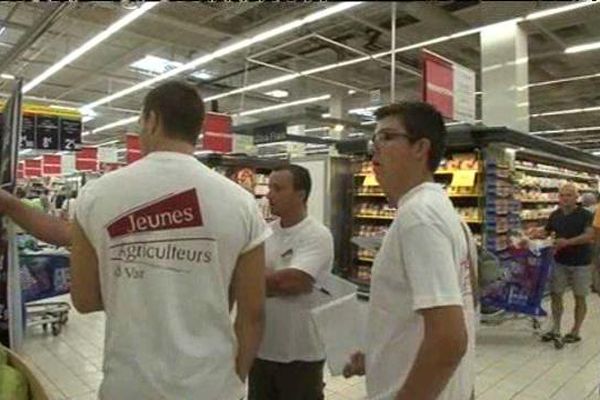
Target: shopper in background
589,201
299,254
69,206
421,330
164,258
572,227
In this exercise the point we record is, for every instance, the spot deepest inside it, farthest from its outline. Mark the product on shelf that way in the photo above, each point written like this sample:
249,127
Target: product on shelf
370,230
374,209
470,213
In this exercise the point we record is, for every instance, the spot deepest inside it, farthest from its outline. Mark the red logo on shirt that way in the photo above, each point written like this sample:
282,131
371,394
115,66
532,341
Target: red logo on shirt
177,211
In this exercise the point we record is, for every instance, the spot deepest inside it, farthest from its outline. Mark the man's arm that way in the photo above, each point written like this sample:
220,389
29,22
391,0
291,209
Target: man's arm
248,289
42,226
288,282
85,279
444,345
586,237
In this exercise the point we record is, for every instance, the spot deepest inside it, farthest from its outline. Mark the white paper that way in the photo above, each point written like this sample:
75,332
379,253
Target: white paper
341,325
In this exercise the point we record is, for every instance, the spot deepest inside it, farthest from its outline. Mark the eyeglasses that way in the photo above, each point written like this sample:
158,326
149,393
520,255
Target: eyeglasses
388,136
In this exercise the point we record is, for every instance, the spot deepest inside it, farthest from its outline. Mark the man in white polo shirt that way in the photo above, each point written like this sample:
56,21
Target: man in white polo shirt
163,246
421,319
299,254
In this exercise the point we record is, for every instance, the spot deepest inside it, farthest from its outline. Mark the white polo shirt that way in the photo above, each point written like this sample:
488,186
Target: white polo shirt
423,263
168,232
290,334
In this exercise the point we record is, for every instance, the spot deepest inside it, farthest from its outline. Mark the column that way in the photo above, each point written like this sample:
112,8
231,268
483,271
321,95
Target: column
504,76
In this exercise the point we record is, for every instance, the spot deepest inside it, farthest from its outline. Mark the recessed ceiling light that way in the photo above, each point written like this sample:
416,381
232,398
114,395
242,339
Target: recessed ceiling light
278,93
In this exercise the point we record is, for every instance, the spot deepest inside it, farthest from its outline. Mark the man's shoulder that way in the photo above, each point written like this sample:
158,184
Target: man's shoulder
317,229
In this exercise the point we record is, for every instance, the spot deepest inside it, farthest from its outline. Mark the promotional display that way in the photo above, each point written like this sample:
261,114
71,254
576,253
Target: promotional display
132,145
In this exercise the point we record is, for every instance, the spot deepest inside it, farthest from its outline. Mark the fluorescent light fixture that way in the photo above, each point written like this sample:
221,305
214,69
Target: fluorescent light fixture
2,30
108,143
582,47
7,76
569,111
326,115
59,107
152,66
87,118
368,123
351,92
285,105
319,129
93,42
278,93
121,122
568,130
558,10
261,37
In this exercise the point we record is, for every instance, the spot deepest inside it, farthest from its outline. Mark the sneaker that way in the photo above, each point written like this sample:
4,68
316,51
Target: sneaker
550,336
572,338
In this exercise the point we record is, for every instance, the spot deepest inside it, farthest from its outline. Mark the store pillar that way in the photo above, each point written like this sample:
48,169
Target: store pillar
504,76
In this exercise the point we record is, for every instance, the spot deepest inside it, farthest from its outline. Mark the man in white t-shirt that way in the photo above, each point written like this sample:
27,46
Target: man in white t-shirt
421,317
155,246
299,255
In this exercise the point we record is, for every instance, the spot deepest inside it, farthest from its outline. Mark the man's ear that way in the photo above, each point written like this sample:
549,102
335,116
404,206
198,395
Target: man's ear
423,148
153,122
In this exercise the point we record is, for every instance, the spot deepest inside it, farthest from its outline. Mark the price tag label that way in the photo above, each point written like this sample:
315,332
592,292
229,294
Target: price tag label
370,180
463,179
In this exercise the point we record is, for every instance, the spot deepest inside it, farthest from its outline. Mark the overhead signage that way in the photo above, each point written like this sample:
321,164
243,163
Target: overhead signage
270,133
449,87
46,128
218,135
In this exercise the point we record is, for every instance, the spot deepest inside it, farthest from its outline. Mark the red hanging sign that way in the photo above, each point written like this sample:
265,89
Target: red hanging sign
21,170
51,164
134,149
217,133
33,168
87,159
438,84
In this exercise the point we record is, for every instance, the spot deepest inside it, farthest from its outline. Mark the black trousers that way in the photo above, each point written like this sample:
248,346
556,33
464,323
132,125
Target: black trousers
297,380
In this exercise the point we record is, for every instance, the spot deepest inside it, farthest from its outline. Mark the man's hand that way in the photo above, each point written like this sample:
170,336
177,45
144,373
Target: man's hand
561,244
356,366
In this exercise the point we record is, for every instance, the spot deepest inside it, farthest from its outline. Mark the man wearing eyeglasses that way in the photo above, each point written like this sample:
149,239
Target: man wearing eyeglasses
420,341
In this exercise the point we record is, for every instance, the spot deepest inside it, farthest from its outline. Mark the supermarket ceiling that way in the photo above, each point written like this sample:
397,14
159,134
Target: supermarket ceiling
35,36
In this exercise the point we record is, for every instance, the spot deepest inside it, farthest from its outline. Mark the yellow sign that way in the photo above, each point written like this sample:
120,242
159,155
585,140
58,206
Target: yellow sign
370,180
66,112
463,179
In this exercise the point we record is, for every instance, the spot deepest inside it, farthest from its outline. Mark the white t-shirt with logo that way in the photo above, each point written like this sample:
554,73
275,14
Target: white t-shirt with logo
290,334
168,232
423,263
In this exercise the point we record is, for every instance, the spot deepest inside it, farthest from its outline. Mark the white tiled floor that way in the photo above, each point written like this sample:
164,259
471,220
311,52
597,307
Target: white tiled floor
511,362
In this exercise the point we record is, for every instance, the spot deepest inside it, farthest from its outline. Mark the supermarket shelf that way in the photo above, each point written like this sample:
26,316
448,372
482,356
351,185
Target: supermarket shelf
464,195
554,173
374,217
361,283
366,259
473,221
370,195
534,219
452,171
539,201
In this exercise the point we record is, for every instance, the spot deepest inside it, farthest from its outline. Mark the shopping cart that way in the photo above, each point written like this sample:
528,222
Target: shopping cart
45,275
521,289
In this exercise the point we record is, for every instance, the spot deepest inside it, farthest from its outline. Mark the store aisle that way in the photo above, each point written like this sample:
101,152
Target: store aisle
511,363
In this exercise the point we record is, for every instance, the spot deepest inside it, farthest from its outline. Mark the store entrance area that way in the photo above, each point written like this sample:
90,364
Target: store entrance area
511,362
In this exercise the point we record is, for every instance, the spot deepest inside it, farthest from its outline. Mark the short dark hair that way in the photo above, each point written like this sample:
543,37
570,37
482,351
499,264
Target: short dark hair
422,121
300,178
180,109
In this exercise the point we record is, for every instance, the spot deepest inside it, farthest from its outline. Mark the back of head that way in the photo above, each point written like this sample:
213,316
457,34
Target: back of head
422,121
179,109
589,199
